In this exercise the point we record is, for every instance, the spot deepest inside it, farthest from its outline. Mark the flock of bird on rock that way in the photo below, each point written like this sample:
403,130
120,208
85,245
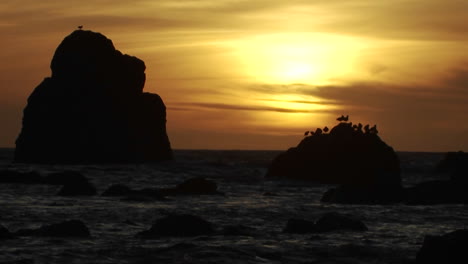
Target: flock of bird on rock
343,119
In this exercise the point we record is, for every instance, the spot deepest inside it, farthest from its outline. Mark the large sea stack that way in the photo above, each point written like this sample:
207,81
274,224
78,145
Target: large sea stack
93,108
367,169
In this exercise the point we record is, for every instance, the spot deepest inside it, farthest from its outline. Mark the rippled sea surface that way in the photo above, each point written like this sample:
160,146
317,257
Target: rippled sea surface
395,234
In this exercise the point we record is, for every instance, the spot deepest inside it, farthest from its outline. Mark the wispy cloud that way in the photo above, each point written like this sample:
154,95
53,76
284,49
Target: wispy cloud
176,106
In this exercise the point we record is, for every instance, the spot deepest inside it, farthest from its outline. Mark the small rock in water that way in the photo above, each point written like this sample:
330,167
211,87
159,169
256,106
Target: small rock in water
71,228
300,226
335,221
328,222
178,225
238,230
5,234
450,248
75,184
193,186
31,177
117,190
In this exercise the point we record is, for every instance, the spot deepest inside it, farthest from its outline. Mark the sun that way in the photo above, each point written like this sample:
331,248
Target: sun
297,58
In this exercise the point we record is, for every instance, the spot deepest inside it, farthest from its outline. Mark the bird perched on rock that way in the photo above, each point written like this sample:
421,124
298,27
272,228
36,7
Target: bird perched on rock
366,129
318,131
373,130
325,129
80,27
343,118
306,133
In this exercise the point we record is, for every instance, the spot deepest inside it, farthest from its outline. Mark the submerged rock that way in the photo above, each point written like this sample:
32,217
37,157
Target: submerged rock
335,221
453,162
300,226
327,223
436,192
370,194
93,108
450,248
5,234
193,186
71,228
117,190
31,177
74,184
178,225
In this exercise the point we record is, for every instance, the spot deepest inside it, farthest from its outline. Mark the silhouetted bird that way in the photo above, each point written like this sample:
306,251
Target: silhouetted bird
325,129
359,127
80,27
306,133
346,118
366,129
374,130
341,118
318,131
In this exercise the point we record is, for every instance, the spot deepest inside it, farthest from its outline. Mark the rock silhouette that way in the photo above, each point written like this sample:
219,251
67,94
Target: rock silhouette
70,228
93,108
449,248
5,233
75,184
178,225
328,222
364,164
344,155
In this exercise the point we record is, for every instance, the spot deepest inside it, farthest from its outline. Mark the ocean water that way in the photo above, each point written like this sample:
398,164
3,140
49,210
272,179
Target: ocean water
395,233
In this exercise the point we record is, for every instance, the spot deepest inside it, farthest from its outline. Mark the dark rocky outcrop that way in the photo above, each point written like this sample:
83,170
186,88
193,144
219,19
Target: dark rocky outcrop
117,190
30,177
365,194
360,161
239,230
300,226
436,192
93,108
5,234
70,228
178,225
453,162
451,191
450,248
327,223
74,184
335,221
193,186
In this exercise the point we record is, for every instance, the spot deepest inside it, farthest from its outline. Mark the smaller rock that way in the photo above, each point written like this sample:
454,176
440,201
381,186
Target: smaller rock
75,184
373,194
198,185
31,177
449,248
117,190
5,234
436,192
71,228
453,162
300,226
238,230
335,221
178,225
328,222
193,186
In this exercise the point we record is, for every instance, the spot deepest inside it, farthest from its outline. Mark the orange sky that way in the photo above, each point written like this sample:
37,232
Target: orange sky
238,74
